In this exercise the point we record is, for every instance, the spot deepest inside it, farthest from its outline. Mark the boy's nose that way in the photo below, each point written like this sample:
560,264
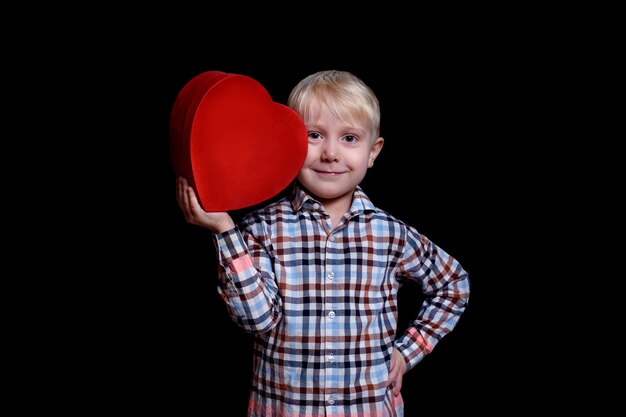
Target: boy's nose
330,153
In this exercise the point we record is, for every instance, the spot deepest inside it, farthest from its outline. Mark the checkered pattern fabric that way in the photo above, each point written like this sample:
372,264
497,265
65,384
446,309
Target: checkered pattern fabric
322,303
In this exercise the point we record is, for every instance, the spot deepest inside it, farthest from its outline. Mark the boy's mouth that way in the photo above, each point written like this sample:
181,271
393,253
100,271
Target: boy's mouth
329,173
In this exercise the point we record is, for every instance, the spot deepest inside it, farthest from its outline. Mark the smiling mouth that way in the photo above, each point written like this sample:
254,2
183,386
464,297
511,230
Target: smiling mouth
329,173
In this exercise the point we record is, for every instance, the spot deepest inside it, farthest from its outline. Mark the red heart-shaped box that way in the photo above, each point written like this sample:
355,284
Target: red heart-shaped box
232,142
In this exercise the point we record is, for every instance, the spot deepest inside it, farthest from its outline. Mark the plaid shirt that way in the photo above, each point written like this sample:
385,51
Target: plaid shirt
322,303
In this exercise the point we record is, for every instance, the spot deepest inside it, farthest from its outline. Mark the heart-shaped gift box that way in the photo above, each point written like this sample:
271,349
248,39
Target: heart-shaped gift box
232,142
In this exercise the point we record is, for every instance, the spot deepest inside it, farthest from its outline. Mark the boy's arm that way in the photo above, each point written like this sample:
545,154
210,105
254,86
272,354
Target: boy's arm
251,294
445,286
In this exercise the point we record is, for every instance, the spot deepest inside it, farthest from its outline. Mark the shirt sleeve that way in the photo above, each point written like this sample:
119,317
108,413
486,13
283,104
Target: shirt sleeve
246,283
445,286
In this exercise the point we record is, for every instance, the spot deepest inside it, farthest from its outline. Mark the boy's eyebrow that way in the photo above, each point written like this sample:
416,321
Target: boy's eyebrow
357,129
345,128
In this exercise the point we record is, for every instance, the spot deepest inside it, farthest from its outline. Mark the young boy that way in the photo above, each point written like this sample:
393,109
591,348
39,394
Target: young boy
316,276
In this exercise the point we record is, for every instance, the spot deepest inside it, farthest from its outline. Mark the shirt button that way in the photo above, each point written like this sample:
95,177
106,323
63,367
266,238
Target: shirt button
331,314
331,400
316,206
331,275
331,358
331,238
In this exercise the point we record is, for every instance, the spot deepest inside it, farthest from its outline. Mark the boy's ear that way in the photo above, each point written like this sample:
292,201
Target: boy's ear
376,148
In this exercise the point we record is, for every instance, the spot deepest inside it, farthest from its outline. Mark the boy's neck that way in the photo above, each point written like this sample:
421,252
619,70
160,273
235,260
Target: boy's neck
337,207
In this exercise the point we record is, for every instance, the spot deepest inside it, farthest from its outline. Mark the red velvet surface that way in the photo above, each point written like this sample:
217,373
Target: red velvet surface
233,143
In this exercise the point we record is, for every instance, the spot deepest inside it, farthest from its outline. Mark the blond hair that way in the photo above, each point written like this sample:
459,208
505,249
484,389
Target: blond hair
346,96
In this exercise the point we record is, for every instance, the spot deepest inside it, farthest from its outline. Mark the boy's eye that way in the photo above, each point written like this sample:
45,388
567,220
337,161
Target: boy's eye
350,138
314,135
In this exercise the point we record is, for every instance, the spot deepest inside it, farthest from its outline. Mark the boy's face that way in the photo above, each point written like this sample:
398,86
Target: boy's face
338,156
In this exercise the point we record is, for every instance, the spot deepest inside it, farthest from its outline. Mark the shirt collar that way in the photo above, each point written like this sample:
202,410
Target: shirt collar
301,199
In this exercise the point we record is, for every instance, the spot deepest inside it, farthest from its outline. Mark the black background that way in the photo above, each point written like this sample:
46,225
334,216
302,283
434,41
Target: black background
456,134
497,122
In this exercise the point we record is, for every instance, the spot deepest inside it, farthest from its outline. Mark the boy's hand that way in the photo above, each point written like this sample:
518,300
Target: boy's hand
216,222
398,368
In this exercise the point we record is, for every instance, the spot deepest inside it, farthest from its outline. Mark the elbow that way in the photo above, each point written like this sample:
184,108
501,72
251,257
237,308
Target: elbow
262,324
